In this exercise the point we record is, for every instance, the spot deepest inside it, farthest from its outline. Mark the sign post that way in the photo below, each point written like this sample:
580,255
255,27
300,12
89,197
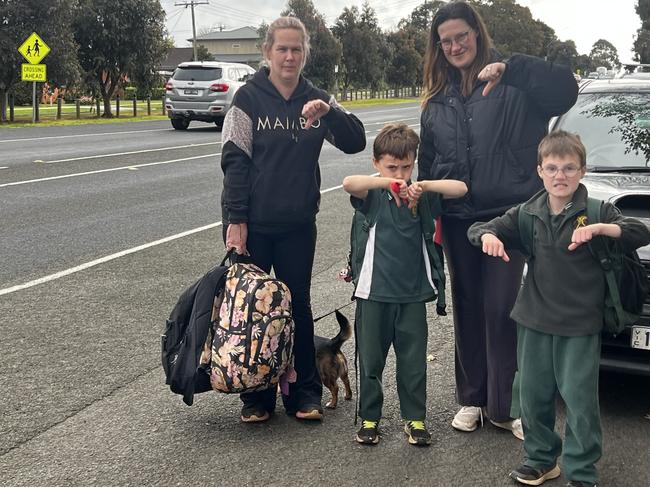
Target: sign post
34,50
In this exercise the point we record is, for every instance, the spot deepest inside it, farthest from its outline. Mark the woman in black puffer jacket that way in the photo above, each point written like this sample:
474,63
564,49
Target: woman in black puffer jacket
482,120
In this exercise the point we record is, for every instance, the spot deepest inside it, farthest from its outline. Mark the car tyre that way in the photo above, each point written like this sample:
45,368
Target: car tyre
180,123
219,124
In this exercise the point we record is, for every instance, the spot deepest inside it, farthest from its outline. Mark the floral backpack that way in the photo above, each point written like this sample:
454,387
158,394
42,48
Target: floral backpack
249,345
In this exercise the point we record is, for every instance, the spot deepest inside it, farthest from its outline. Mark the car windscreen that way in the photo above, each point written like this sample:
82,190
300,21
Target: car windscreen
197,74
614,127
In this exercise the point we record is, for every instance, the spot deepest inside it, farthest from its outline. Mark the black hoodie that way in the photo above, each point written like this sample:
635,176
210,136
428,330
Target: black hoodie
270,162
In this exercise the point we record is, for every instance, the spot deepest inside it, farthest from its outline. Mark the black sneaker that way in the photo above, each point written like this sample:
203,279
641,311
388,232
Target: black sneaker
254,414
417,433
580,483
369,433
525,474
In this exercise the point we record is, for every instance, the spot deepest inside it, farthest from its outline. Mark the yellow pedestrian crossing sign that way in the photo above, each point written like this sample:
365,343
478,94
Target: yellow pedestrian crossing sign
34,49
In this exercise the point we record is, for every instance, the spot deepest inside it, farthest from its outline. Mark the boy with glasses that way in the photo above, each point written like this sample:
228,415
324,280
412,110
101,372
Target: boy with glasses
559,312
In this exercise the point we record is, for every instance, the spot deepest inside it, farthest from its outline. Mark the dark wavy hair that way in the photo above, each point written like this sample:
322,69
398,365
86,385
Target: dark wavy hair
436,67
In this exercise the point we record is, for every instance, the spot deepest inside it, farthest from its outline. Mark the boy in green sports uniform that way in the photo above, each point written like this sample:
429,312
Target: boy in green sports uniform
559,312
394,280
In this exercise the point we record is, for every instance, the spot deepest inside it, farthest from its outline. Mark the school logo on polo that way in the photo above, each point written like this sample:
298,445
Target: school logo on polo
581,221
269,123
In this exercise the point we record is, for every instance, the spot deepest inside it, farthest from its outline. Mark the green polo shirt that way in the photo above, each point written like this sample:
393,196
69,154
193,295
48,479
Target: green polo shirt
396,267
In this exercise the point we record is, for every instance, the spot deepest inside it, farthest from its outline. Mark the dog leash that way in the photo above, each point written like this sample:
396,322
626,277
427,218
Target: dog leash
333,311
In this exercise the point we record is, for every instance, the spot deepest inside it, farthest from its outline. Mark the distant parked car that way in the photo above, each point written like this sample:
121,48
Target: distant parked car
203,90
612,118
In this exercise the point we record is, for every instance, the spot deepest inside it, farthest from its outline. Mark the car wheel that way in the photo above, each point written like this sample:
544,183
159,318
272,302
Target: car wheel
219,124
180,123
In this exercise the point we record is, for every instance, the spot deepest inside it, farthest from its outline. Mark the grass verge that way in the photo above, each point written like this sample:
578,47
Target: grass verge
47,114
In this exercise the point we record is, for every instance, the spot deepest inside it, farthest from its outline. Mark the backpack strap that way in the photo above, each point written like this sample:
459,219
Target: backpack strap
428,232
600,251
526,223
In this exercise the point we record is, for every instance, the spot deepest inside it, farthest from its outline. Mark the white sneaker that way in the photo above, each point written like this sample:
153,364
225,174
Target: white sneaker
514,426
467,418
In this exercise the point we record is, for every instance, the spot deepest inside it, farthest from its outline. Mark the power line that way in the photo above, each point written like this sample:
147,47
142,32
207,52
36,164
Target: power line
192,3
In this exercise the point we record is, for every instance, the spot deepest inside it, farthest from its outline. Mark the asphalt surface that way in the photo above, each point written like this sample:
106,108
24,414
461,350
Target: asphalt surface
86,284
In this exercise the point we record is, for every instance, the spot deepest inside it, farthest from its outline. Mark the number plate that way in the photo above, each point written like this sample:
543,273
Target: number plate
640,337
191,92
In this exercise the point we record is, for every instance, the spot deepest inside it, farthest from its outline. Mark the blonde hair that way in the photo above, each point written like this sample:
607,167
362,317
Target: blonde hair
287,23
436,68
397,140
561,143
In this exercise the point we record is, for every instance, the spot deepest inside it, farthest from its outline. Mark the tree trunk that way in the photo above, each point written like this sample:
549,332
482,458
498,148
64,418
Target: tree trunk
4,101
107,88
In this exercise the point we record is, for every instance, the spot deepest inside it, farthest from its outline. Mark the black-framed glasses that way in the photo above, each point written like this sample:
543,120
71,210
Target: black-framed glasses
552,170
461,39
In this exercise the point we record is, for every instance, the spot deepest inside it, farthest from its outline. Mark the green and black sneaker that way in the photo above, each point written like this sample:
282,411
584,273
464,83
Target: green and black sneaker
417,433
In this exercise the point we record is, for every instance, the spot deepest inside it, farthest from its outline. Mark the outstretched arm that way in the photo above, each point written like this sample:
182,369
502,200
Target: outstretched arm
358,186
448,188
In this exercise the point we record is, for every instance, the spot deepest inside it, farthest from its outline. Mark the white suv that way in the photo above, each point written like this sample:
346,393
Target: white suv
203,90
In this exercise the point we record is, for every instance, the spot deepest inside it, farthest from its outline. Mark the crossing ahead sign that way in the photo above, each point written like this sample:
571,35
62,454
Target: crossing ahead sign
34,72
34,49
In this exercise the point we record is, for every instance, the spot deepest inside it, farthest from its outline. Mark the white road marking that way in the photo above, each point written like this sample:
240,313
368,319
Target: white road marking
108,258
84,135
391,121
4,167
115,154
102,260
131,168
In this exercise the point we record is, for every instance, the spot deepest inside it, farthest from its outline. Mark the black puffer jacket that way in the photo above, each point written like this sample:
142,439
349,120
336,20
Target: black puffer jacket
490,142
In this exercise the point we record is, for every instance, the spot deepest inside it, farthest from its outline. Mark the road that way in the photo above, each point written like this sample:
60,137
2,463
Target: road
103,227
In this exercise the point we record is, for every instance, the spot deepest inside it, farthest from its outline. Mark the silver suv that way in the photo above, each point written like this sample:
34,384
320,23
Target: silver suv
612,118
203,90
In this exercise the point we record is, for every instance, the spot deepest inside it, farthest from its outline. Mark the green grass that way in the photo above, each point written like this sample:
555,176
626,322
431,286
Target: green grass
377,101
47,113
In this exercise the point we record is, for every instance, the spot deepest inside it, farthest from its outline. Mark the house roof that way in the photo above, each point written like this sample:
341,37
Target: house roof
242,33
253,58
175,56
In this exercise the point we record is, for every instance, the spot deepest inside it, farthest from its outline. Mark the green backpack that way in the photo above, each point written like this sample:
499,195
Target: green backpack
361,225
626,278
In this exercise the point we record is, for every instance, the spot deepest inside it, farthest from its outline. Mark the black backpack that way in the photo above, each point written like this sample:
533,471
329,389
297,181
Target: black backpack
625,276
185,334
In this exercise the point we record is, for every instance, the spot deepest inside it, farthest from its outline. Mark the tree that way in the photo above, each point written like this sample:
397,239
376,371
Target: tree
563,52
603,53
549,37
405,65
642,41
512,27
202,53
18,19
364,48
325,50
583,64
119,40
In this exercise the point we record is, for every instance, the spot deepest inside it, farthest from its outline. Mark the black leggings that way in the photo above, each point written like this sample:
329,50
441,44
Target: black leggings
483,291
291,255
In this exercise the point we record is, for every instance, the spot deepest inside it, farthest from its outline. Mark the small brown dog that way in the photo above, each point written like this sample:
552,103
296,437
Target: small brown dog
331,362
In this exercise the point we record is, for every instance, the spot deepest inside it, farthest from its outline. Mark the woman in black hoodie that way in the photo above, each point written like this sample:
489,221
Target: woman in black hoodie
482,120
272,138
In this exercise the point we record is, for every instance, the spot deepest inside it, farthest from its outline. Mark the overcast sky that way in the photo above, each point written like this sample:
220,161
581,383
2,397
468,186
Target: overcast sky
584,21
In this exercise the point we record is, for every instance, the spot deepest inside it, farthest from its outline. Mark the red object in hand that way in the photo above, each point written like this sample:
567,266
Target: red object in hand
395,187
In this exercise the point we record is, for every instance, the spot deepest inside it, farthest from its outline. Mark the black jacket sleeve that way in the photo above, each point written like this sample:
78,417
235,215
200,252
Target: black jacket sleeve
346,131
551,87
427,151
